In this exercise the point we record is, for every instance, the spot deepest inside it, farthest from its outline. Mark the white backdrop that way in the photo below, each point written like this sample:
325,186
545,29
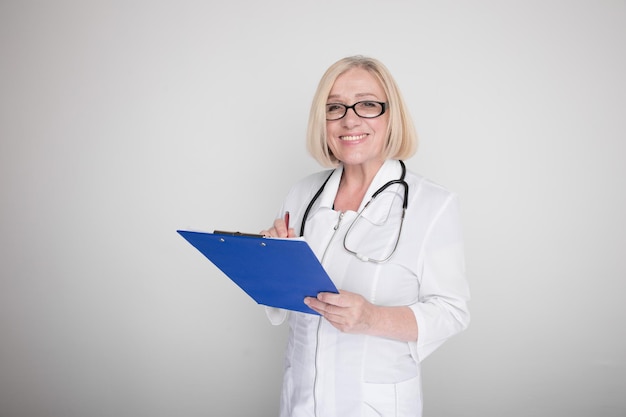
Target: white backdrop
121,122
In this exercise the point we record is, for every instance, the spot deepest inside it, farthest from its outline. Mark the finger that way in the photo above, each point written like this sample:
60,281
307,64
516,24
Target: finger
269,232
281,228
332,298
315,304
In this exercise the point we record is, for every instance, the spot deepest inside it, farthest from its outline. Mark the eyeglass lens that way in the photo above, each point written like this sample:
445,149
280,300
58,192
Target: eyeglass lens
366,109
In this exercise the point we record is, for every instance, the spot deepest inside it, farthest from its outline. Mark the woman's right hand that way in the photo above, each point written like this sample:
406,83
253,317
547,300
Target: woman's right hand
279,230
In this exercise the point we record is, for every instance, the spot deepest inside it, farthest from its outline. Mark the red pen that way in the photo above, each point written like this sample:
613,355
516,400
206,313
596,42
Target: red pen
287,222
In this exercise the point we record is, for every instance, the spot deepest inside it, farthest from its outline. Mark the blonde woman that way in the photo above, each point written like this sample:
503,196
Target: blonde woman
389,239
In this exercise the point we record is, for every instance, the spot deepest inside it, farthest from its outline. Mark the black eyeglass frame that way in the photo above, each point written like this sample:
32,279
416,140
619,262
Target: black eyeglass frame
383,105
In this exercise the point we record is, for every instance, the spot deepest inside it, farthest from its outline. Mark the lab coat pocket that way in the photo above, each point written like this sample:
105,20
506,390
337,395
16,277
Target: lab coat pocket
403,399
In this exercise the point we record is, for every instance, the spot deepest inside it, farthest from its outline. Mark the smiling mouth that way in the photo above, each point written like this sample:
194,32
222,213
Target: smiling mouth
351,138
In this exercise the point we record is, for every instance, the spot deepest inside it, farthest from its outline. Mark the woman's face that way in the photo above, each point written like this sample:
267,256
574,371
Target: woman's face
352,139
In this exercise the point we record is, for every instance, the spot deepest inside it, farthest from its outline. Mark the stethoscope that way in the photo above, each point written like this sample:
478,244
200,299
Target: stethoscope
401,181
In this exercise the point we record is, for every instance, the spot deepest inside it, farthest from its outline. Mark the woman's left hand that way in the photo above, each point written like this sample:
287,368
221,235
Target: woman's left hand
347,311
351,313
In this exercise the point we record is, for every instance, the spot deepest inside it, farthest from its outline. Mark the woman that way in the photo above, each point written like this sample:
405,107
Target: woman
400,271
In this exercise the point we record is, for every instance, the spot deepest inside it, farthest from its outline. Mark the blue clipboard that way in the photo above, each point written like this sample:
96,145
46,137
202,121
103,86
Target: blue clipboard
274,272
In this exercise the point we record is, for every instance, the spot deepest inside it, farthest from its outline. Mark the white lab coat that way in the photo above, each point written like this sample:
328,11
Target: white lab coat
333,374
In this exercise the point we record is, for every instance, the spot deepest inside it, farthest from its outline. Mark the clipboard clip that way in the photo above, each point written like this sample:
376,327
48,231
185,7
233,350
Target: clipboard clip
226,233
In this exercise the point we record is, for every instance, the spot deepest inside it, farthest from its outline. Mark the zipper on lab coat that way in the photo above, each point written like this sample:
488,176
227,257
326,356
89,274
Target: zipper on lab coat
335,228
319,323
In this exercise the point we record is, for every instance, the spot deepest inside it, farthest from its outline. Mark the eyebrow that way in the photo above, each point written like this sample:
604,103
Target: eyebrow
359,95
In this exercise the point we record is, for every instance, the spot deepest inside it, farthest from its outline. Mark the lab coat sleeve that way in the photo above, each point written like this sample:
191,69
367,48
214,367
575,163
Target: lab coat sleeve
441,310
276,316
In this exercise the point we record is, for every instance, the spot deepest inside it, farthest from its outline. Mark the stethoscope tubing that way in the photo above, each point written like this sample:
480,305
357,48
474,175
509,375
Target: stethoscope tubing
400,181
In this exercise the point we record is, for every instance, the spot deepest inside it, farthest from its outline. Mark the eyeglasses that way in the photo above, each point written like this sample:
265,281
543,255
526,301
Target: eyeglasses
366,109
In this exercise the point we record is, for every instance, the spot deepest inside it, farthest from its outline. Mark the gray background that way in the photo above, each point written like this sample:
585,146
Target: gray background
121,122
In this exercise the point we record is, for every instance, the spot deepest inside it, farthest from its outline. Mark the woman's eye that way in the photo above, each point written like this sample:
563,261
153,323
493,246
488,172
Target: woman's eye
333,107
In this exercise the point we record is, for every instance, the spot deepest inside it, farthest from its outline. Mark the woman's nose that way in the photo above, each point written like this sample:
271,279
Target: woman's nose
351,118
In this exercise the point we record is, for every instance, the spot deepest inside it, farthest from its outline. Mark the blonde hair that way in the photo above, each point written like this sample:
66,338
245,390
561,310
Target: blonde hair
401,134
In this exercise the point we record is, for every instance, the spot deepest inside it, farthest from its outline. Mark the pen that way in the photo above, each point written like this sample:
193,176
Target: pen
287,222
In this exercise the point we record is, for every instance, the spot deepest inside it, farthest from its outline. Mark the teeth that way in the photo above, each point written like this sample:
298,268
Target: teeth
353,137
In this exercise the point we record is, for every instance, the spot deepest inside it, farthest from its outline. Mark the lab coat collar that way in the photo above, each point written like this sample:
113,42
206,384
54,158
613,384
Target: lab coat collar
389,170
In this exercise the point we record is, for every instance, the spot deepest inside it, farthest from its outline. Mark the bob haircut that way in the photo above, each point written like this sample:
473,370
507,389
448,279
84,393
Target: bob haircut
401,134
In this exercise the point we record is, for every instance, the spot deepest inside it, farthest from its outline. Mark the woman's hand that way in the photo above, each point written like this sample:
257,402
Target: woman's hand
279,230
352,313
347,311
